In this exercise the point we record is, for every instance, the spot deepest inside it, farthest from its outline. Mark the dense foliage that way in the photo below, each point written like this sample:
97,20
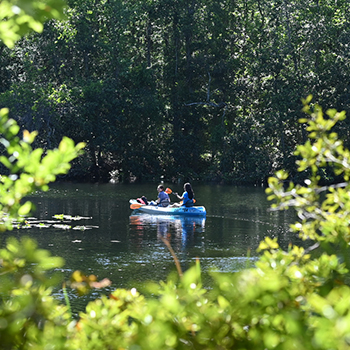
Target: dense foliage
198,89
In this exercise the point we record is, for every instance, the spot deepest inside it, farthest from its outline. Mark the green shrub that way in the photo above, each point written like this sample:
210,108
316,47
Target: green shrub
29,316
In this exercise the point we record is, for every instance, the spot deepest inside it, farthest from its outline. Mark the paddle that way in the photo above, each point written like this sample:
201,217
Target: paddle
136,205
139,205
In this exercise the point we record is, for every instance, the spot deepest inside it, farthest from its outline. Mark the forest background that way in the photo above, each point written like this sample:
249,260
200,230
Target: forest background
203,89
295,299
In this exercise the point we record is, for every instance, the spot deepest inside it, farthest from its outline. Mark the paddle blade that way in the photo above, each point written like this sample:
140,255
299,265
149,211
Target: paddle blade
135,206
168,190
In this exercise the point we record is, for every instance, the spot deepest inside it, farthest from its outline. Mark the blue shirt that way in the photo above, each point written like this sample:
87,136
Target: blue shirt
186,201
164,197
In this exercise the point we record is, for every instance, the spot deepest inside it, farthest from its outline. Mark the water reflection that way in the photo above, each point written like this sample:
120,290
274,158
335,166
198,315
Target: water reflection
177,229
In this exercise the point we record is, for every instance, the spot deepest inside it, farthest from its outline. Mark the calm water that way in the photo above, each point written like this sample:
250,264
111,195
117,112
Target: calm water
127,249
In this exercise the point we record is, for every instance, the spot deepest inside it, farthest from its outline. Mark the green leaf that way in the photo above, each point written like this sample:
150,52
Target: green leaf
25,208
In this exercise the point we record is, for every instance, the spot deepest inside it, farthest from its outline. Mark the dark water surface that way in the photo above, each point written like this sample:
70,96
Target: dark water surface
127,249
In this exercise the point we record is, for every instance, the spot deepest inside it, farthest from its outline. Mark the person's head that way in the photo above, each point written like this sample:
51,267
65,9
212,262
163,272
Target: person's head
187,186
160,188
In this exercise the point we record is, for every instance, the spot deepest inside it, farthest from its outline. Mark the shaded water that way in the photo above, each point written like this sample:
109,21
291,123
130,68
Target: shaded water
127,249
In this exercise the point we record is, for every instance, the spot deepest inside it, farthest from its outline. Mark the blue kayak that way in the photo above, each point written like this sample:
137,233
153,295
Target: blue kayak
154,210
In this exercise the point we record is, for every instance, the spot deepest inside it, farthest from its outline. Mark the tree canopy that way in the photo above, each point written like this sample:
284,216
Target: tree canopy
203,89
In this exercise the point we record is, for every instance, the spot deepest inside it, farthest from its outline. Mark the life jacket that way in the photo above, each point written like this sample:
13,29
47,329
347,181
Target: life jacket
189,203
164,203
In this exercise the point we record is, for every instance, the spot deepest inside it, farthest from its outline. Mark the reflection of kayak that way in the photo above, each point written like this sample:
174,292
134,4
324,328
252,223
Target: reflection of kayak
154,210
142,219
175,228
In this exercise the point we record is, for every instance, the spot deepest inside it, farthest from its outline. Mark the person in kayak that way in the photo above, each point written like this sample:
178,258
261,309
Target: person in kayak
187,197
163,199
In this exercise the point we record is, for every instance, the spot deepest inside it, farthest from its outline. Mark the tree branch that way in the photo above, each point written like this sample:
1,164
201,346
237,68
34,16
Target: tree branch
212,104
208,103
